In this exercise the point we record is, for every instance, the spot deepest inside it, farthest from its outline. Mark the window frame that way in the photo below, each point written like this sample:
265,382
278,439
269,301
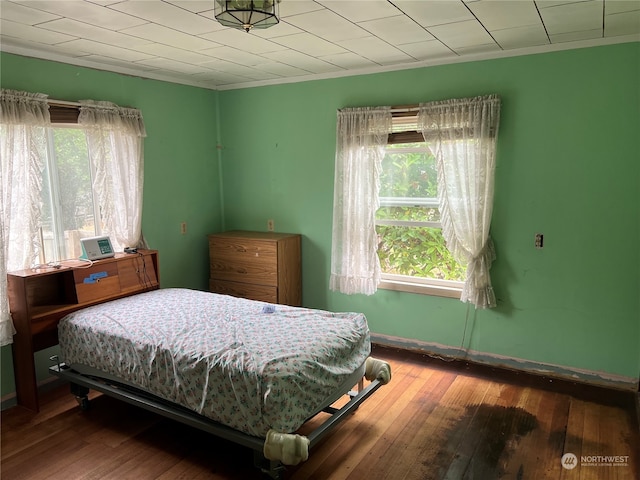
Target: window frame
406,116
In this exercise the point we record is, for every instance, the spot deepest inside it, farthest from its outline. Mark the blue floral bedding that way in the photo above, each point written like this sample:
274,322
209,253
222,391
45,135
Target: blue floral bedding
249,365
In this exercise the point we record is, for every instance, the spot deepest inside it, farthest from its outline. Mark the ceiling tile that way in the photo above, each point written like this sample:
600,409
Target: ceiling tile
576,36
172,65
505,14
573,17
99,59
302,61
56,51
236,69
27,32
554,3
627,23
91,32
195,6
86,12
619,6
230,67
178,54
361,11
105,50
297,7
475,49
24,14
236,56
461,34
242,41
309,44
521,37
281,69
428,50
429,13
221,78
168,36
397,30
104,2
280,30
328,25
168,15
377,51
348,60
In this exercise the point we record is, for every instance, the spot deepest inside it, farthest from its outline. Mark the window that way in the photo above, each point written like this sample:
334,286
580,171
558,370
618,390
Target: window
385,152
411,248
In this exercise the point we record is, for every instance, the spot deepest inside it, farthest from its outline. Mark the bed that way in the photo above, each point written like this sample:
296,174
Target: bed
248,371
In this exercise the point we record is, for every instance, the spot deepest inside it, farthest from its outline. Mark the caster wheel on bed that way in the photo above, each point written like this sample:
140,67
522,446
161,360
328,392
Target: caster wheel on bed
83,402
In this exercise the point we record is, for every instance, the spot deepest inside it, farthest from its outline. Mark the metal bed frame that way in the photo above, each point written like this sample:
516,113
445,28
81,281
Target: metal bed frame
81,384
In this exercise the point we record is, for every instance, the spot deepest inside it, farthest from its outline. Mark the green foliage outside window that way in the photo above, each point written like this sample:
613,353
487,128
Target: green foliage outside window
418,252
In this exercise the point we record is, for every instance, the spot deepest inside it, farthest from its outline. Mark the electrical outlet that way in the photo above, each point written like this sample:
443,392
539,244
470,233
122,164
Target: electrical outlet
270,225
183,228
539,241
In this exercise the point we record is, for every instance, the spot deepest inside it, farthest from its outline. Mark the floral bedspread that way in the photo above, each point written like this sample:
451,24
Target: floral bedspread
249,365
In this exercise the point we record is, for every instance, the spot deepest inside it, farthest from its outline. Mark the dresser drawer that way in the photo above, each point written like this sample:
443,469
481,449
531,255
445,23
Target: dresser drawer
262,293
244,261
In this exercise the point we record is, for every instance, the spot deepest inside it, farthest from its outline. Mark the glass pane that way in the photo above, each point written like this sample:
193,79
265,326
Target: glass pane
47,236
408,170
67,195
418,252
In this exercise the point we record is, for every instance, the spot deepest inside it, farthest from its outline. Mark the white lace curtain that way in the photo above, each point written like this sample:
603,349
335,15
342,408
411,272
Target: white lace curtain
23,120
466,132
115,139
361,142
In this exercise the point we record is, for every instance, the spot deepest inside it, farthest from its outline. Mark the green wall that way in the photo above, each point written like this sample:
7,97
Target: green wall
568,166
181,163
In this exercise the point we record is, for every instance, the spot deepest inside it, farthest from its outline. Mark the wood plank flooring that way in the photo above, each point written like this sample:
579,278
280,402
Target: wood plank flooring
435,421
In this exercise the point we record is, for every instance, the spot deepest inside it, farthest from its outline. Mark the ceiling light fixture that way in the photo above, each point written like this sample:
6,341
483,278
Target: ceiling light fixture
247,14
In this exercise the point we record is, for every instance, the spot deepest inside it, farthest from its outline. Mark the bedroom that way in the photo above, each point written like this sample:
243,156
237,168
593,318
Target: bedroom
567,166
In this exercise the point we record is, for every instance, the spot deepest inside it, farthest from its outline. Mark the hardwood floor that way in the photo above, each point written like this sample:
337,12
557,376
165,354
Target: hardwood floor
434,421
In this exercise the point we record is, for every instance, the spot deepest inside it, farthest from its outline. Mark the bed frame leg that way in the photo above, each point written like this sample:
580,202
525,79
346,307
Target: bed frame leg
82,395
273,468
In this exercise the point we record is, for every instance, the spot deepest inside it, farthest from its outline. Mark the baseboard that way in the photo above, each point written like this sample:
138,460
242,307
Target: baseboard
10,399
600,379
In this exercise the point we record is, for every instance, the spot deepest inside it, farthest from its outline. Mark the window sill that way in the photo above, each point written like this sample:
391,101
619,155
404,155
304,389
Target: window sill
421,288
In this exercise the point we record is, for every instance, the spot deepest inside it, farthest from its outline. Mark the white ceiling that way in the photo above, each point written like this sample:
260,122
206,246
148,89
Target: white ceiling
179,40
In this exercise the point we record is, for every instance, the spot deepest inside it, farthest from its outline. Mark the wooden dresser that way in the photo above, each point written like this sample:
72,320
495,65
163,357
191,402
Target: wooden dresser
264,266
39,298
